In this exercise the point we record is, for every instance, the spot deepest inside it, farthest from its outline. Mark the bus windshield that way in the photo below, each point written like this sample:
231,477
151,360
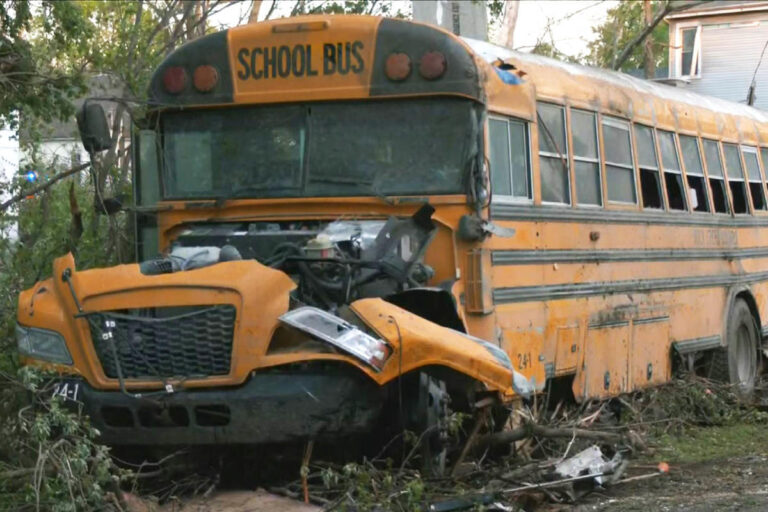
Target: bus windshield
404,147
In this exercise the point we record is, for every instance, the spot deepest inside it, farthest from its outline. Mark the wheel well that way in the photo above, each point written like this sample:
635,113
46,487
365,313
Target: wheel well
747,297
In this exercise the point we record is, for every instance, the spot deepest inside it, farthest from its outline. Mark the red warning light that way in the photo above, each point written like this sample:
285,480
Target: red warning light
397,67
175,79
432,65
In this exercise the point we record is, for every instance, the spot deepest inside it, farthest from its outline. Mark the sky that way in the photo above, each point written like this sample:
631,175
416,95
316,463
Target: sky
570,21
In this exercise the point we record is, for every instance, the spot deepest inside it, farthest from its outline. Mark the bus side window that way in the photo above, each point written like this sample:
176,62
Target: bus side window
735,178
619,169
716,179
764,160
694,172
553,154
510,164
586,160
673,176
755,180
650,183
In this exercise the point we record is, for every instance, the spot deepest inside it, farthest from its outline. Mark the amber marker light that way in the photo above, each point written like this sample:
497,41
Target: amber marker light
397,67
175,79
205,78
432,65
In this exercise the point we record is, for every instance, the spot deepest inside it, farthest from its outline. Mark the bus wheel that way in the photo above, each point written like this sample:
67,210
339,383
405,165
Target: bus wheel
737,363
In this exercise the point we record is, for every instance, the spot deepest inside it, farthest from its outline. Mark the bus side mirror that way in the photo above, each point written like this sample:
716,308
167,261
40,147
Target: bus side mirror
93,127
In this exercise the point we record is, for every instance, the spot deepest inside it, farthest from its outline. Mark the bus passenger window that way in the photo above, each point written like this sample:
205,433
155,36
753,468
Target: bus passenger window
735,178
619,170
553,154
755,180
586,162
673,176
650,184
716,179
510,166
697,187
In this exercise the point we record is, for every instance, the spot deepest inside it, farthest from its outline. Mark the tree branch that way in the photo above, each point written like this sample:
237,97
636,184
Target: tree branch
668,8
18,197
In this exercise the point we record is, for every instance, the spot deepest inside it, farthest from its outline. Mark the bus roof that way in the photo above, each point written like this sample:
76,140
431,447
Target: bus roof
624,94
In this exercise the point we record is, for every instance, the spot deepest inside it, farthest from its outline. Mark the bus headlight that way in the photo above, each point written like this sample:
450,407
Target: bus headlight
340,333
42,344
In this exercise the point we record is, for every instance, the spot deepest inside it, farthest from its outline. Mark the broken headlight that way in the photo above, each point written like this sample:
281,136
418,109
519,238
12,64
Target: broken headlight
339,333
42,344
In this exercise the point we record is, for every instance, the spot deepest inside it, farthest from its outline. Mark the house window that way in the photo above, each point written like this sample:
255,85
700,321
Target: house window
553,151
510,165
689,51
697,187
735,178
755,179
716,179
619,169
586,162
650,183
673,176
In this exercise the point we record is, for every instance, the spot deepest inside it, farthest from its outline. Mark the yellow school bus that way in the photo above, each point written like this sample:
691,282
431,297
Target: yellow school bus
347,222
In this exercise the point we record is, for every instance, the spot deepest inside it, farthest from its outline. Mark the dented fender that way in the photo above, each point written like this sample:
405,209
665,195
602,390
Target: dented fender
417,342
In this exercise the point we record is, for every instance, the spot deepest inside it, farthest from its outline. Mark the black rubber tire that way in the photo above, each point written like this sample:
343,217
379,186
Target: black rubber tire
738,363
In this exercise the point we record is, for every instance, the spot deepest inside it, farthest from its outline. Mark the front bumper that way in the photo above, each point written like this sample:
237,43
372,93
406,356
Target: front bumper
278,406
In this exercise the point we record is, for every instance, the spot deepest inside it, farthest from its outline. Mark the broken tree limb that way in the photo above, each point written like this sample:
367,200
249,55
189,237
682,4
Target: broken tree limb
18,197
533,430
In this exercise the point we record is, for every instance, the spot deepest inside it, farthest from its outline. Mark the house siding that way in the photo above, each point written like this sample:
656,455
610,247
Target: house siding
730,51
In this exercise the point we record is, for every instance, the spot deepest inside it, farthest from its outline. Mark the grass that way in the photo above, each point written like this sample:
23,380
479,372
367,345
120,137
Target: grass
700,444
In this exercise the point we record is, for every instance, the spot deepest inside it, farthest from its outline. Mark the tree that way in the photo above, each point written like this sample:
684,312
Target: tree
623,24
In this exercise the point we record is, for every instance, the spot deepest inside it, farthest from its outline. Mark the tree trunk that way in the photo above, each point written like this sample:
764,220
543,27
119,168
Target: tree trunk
255,7
511,8
649,60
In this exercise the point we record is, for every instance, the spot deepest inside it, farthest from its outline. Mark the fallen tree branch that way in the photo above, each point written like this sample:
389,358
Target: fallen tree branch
18,197
533,430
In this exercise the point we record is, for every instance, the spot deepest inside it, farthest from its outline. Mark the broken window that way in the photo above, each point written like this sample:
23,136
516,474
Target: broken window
553,151
650,183
694,172
619,169
716,179
510,165
756,189
735,178
586,160
673,176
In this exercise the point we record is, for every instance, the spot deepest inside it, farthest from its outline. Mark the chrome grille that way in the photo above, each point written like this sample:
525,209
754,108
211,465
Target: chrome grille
164,342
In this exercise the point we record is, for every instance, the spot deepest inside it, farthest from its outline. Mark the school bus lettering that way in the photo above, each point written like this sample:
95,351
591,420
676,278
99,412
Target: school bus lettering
297,61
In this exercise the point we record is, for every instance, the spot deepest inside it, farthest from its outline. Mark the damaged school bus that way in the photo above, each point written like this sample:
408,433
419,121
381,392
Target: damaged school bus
347,220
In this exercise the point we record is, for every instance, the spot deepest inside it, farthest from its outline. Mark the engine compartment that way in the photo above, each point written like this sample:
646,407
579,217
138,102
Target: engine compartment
333,263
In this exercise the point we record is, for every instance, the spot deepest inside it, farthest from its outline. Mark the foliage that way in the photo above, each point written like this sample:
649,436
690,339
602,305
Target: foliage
623,23
36,73
49,460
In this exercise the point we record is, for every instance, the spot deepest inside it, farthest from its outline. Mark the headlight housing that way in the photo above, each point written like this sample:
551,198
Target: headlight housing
336,331
42,344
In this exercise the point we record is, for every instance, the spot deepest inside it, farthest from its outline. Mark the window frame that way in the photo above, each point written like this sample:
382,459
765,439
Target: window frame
502,198
659,169
703,175
743,178
696,56
683,178
566,153
597,160
621,124
723,177
744,148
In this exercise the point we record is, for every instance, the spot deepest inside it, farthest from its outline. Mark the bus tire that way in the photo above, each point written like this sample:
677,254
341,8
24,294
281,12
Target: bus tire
737,362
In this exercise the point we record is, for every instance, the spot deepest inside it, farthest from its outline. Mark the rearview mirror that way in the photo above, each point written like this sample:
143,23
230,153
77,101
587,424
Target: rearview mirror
93,127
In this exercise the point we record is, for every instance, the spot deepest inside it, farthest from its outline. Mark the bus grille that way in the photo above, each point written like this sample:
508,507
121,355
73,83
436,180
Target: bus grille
164,342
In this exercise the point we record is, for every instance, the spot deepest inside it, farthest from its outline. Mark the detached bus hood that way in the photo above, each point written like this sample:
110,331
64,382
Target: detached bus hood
258,294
